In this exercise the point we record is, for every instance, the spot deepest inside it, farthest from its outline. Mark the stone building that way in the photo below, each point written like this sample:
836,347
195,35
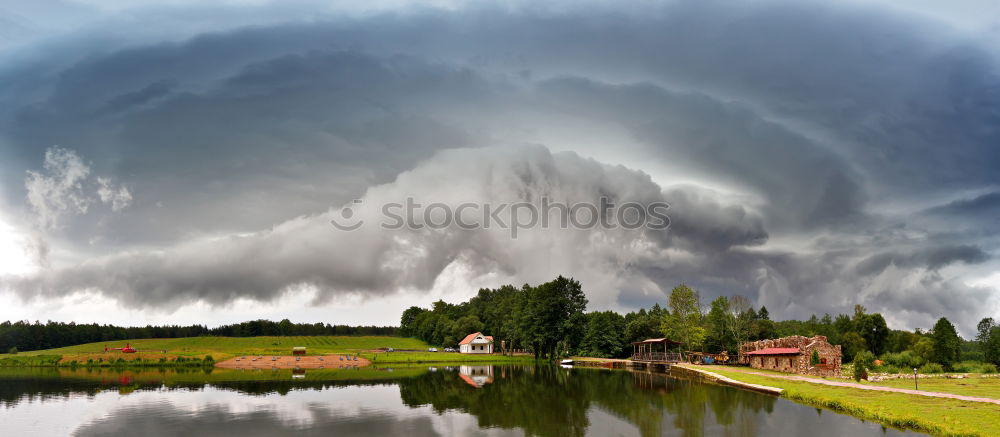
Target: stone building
792,354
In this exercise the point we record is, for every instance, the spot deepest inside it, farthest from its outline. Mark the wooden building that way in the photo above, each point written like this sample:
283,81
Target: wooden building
656,350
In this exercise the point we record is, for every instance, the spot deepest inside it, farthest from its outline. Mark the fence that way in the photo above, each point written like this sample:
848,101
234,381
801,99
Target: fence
657,356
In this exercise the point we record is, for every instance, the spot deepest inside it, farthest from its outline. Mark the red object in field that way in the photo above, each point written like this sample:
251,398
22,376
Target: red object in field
128,349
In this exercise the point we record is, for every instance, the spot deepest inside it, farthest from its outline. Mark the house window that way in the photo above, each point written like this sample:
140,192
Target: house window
822,360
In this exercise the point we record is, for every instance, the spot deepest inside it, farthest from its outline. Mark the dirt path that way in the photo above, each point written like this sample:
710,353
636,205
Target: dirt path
864,387
333,361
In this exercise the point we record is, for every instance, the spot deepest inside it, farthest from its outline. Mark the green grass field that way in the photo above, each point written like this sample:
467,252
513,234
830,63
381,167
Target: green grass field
974,385
947,417
222,348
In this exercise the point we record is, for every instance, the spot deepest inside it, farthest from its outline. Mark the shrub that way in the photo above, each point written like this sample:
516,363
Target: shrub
860,368
12,351
972,356
889,369
975,367
814,359
932,368
866,357
904,360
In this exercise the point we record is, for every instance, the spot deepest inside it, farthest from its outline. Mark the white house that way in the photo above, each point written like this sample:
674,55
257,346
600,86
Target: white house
476,344
476,376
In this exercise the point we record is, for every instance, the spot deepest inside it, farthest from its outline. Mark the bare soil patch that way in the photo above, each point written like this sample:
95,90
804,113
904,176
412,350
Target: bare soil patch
331,361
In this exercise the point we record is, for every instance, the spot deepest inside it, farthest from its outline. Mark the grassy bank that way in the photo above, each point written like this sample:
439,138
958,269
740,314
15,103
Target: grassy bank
442,358
220,348
938,416
972,385
184,351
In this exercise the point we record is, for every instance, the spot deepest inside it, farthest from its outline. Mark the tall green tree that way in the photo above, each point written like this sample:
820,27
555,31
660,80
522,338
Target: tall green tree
465,325
873,329
718,335
947,343
604,336
741,318
551,315
642,325
991,347
924,348
763,314
407,326
983,330
852,343
683,322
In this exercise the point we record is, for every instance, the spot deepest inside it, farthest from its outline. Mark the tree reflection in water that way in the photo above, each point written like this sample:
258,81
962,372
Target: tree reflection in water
534,400
551,401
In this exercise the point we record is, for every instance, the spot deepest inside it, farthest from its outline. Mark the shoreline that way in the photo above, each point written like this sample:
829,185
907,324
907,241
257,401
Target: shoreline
947,416
724,380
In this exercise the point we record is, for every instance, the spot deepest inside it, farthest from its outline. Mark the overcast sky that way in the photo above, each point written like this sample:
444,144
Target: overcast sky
170,162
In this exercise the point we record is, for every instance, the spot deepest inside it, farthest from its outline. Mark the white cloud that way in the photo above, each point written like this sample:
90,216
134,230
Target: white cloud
119,197
58,189
64,188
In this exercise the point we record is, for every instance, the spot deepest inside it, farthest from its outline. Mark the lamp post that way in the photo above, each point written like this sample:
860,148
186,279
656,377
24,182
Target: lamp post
915,379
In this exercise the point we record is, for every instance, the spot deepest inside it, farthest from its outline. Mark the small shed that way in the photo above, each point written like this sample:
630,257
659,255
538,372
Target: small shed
299,350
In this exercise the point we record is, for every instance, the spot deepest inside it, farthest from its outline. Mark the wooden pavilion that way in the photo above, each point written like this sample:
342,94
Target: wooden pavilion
656,350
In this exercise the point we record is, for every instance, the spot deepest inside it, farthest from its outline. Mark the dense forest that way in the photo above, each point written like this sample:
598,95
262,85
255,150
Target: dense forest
25,336
550,320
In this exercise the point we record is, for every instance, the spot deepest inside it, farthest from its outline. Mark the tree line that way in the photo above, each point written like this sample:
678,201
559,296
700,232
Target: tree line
549,320
26,336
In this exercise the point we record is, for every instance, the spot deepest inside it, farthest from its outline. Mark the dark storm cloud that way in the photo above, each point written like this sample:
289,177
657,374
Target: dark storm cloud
985,206
307,251
803,118
702,223
932,258
298,133
741,147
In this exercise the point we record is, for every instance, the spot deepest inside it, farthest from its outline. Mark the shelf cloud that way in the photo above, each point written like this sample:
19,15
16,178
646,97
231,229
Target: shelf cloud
814,155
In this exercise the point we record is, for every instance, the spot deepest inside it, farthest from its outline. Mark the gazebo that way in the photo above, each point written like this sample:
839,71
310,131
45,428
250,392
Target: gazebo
655,349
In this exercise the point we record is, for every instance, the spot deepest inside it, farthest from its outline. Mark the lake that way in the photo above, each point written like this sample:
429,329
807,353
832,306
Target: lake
512,400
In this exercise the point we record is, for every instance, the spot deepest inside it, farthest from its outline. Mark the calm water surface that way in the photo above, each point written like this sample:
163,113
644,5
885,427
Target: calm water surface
412,402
